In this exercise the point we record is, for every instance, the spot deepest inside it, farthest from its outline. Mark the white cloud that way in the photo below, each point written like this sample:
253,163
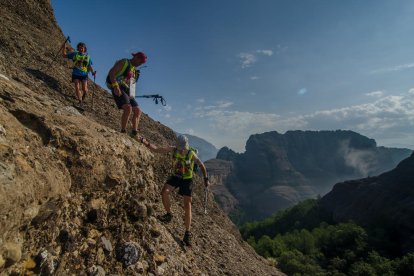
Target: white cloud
189,131
393,114
393,68
201,100
376,94
387,119
247,59
265,52
224,104
302,91
254,77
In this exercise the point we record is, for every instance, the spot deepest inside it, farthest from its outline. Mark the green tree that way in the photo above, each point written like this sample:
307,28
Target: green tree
405,266
362,269
293,262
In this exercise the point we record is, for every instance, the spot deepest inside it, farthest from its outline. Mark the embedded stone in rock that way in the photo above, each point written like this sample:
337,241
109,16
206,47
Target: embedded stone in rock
92,216
107,244
128,253
66,240
159,259
12,252
46,262
112,181
136,210
96,270
2,261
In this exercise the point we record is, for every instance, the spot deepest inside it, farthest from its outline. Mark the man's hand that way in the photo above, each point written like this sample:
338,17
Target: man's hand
117,91
94,73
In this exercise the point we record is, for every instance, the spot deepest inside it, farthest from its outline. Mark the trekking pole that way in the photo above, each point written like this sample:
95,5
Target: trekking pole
205,199
156,98
57,53
93,90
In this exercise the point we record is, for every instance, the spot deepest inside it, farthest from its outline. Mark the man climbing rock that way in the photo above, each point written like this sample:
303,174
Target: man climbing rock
182,178
82,65
118,82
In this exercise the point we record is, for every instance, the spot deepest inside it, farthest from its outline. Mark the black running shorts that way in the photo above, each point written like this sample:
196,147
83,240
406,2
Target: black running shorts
185,186
81,78
124,98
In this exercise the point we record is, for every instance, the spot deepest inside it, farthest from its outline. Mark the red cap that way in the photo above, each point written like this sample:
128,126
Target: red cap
141,55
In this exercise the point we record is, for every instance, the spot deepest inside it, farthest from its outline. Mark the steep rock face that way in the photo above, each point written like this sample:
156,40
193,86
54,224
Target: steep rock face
219,171
385,200
279,170
78,197
226,154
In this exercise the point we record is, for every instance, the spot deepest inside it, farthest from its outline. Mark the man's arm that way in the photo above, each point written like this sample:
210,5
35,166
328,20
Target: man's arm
64,52
203,169
116,68
91,70
112,77
156,149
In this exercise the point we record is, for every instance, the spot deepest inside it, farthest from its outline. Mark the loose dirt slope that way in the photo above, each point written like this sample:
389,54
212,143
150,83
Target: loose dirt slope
76,196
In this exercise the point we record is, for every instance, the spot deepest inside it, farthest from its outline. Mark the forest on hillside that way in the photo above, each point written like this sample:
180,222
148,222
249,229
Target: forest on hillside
303,240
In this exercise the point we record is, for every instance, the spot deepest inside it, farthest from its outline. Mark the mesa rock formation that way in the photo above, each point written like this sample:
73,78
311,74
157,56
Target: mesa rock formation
279,170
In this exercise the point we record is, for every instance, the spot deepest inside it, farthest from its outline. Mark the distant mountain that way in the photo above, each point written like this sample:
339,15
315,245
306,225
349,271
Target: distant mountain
279,170
206,150
383,202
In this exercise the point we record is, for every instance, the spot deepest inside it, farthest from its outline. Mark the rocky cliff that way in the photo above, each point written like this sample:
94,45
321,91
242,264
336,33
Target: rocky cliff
279,170
385,201
78,197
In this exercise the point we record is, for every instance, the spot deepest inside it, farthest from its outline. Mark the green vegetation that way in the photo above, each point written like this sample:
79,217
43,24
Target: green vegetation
305,242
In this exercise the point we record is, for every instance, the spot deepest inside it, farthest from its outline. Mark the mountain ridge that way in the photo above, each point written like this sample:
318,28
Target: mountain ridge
280,170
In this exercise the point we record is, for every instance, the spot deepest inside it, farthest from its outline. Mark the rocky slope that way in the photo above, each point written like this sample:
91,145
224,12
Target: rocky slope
279,170
76,196
385,201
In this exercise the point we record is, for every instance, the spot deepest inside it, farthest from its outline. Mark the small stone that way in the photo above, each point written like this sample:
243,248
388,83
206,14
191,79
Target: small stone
2,261
93,233
96,270
12,252
155,233
97,203
159,259
160,271
77,221
65,240
91,241
47,262
107,244
2,131
139,266
128,253
29,264
100,256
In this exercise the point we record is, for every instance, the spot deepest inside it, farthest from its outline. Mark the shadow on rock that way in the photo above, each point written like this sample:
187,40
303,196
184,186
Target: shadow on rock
48,80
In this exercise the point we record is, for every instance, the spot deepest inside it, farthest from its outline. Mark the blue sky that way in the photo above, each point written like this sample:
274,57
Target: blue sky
229,69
